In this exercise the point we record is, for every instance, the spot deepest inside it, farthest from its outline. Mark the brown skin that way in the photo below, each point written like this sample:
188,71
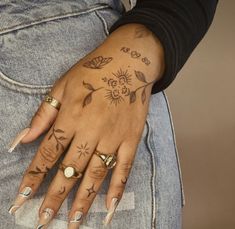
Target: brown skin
98,121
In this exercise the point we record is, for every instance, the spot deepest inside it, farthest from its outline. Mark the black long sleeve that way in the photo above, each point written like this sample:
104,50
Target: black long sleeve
179,25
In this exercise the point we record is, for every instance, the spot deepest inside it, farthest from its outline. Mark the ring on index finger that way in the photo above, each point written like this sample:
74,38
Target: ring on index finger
52,101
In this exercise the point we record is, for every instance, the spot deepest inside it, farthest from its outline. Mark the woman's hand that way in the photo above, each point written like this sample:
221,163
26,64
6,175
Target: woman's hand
104,102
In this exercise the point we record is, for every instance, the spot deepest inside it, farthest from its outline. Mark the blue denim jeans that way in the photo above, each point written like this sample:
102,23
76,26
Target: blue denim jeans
39,41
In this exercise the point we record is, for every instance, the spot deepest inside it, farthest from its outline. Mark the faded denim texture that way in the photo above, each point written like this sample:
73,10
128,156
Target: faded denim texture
39,41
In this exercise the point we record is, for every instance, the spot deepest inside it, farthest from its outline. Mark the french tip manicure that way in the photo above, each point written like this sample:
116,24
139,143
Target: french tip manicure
111,211
20,200
18,139
45,218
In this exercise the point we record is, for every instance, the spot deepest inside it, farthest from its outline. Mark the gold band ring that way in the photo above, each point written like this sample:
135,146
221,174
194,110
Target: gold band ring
69,171
109,160
52,101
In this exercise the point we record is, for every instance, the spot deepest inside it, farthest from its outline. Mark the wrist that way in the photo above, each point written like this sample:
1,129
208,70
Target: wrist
139,46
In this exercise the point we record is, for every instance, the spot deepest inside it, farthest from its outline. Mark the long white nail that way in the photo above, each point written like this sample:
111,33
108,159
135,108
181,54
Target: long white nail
18,139
20,200
76,220
111,211
45,218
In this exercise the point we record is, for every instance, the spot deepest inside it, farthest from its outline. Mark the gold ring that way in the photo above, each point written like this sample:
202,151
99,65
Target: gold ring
52,101
109,160
69,171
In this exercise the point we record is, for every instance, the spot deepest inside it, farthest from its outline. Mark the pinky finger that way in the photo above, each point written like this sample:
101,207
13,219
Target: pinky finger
125,157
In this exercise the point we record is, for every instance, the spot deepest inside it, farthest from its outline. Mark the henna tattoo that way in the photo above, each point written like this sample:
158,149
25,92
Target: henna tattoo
88,97
135,55
83,150
124,181
58,139
141,77
141,32
62,190
91,190
118,87
38,171
97,62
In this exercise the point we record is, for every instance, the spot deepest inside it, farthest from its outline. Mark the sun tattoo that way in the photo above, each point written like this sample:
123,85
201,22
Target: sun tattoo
118,86
83,150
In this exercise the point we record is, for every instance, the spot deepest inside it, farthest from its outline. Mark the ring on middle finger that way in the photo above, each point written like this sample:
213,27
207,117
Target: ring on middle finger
69,171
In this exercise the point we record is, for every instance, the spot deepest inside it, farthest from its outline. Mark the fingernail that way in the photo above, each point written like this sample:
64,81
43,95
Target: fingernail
18,139
76,220
112,208
20,199
45,218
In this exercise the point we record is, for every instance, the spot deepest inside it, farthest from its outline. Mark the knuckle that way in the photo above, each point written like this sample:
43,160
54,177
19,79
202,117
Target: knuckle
54,197
98,172
125,167
47,154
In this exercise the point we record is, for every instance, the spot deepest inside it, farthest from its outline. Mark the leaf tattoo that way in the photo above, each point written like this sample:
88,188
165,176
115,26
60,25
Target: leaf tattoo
97,62
88,97
57,138
140,76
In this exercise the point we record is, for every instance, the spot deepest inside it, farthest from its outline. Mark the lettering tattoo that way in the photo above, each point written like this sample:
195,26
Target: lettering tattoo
118,87
58,139
83,150
91,190
135,55
97,62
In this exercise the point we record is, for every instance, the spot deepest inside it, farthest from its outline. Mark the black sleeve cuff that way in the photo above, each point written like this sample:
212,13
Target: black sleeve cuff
179,25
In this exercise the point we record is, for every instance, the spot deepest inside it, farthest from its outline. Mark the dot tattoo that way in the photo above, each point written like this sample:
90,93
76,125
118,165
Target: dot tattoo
97,62
83,150
91,190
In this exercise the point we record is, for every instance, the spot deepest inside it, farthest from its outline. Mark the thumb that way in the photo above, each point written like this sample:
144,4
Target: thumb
42,119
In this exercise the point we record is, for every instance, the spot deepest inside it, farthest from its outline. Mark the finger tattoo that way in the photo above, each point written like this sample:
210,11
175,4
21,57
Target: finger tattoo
91,190
83,150
55,133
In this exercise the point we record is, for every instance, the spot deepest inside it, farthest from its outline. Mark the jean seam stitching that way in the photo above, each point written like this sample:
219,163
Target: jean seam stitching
22,87
176,149
153,177
104,22
48,19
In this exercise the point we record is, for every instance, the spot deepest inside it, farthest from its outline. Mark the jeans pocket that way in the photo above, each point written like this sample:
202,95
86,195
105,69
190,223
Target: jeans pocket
36,53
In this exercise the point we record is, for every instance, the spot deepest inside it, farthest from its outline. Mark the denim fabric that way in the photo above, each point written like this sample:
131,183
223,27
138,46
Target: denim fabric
39,41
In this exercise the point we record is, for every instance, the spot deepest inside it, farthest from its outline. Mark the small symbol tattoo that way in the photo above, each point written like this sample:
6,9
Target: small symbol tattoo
83,150
97,62
91,190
